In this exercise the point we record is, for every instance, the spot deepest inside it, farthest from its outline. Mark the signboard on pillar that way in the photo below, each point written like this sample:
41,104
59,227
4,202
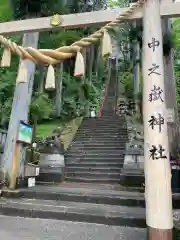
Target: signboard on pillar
25,133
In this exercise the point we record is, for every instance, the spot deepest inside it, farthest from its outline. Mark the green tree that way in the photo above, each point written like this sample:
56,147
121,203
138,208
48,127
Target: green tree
117,3
78,96
33,8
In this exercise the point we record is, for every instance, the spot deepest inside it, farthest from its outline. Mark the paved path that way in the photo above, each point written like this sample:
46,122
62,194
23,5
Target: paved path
16,228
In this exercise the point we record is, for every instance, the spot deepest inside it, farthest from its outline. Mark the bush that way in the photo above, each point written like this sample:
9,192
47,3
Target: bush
176,233
32,157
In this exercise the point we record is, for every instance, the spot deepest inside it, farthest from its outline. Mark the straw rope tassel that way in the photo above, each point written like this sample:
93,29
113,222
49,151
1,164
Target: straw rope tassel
79,70
51,56
6,58
50,79
106,44
22,73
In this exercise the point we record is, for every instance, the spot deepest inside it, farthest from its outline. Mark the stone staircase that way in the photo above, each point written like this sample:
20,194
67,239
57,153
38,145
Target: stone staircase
91,192
96,155
80,202
97,152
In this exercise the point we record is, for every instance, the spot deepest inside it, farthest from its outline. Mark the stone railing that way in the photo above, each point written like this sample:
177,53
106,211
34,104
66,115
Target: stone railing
134,155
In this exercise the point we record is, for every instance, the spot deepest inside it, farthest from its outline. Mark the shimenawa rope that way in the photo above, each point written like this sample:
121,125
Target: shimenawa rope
51,57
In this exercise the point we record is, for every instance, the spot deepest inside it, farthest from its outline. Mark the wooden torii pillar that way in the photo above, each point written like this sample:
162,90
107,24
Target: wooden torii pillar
157,168
158,193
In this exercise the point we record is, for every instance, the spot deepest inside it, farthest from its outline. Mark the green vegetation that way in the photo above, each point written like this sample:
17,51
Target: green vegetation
176,37
46,129
69,131
78,96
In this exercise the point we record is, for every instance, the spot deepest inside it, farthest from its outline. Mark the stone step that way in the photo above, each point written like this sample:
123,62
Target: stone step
101,130
104,125
108,140
90,141
100,137
107,125
116,185
99,145
91,164
92,180
93,158
93,175
93,169
105,120
102,134
116,155
89,193
94,142
91,150
85,159
74,211
77,194
47,176
132,178
109,120
112,118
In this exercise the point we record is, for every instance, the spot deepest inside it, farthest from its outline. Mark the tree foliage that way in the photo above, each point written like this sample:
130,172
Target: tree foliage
33,8
176,37
77,96
117,3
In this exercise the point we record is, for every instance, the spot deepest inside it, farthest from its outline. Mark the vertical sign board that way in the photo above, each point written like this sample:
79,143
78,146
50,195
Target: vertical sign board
25,133
24,136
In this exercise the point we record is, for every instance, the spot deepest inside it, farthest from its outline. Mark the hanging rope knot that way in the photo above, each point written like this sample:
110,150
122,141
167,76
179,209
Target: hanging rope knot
6,58
106,44
50,78
79,69
51,57
22,72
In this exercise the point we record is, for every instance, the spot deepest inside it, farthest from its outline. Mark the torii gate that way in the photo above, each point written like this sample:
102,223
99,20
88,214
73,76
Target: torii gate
157,166
79,20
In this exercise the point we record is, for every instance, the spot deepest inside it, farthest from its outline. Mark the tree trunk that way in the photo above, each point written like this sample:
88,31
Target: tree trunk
42,79
170,90
136,71
98,63
158,193
20,110
84,56
91,60
58,98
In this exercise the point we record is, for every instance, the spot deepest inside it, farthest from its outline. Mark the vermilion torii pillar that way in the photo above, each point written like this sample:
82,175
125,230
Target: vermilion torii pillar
158,194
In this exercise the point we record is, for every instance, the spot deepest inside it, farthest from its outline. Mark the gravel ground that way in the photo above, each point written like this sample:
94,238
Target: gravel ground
16,228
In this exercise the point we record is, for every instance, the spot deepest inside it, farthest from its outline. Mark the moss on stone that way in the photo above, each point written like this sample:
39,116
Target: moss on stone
69,131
